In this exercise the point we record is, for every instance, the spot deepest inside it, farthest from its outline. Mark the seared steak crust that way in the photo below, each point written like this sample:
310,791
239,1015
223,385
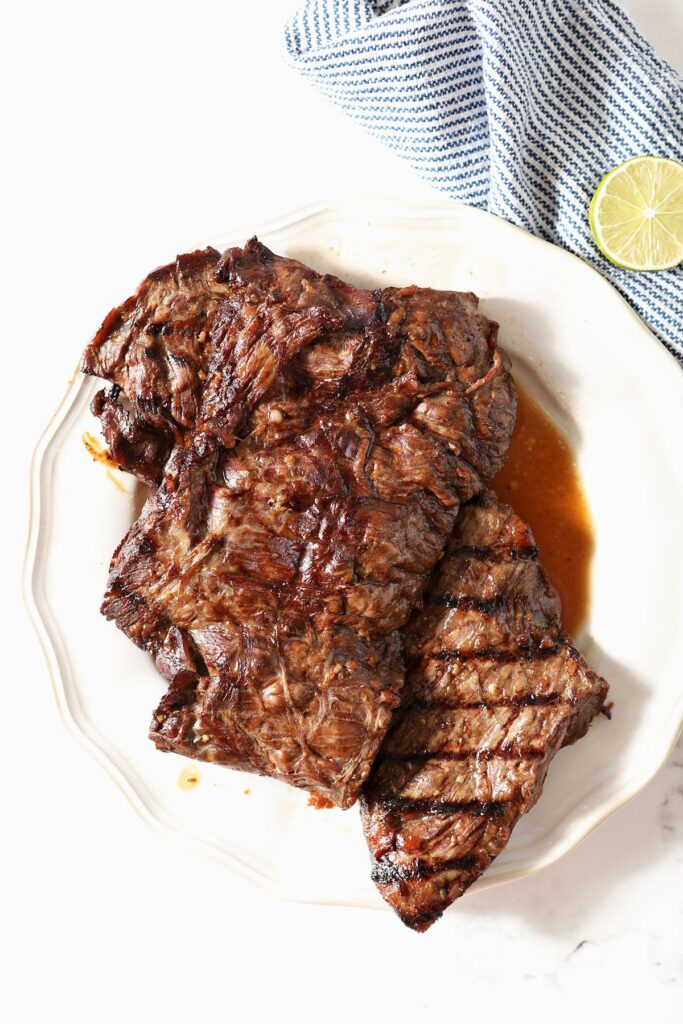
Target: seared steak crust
494,690
155,348
302,512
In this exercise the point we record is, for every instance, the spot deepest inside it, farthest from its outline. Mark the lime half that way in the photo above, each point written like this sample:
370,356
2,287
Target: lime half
636,214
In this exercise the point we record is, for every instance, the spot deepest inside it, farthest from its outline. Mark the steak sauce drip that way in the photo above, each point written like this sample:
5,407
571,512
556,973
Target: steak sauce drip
541,481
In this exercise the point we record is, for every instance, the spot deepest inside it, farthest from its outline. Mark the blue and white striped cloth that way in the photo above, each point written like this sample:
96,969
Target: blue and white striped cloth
517,106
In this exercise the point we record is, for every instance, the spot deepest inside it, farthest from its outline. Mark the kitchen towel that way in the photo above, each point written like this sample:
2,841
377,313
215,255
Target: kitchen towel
516,106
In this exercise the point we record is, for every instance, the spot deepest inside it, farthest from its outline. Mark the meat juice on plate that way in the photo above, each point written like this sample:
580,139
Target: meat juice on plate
540,480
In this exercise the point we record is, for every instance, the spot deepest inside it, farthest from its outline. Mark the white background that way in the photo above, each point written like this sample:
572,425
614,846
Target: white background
131,132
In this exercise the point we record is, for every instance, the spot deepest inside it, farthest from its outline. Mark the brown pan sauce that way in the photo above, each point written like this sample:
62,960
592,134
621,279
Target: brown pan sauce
541,481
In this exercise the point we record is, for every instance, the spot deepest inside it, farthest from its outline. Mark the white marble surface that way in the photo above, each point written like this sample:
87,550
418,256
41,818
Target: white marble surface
135,130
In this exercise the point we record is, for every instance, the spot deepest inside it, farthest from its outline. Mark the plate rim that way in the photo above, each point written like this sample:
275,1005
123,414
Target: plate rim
56,659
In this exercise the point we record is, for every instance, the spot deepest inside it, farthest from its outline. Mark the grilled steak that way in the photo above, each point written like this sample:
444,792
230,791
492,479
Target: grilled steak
495,689
302,512
154,349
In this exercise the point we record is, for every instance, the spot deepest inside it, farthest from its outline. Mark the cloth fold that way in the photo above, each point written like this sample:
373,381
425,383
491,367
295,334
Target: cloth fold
515,106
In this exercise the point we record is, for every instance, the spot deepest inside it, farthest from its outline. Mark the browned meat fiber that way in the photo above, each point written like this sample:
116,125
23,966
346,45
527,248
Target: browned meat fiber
316,472
154,349
495,689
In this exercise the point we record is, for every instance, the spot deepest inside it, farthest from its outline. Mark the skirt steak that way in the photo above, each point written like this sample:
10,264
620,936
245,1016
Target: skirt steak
312,451
495,688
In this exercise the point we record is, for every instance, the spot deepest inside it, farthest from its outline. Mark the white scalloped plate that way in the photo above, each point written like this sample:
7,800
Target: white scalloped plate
617,394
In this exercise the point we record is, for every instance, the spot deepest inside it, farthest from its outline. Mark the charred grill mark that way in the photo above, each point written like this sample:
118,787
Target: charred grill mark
156,328
477,808
522,701
504,754
525,652
466,603
497,555
386,872
180,360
